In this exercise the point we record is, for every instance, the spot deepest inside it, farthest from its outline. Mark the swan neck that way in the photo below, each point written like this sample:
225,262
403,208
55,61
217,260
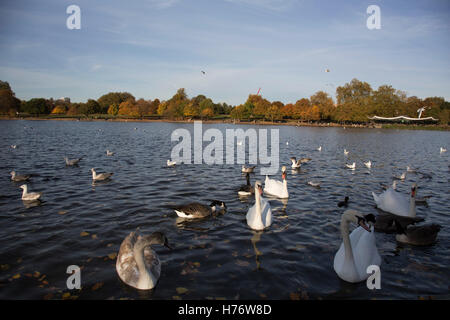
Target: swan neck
346,238
258,202
146,279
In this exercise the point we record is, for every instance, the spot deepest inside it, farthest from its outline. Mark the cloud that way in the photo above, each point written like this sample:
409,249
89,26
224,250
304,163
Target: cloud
162,4
272,5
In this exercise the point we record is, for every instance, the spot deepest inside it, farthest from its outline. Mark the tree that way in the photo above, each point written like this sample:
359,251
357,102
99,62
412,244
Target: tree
116,98
142,107
325,104
207,113
128,108
36,106
353,101
273,112
90,107
113,109
9,104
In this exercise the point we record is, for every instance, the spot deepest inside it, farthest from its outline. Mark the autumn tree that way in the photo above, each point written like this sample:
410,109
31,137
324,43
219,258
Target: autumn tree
116,98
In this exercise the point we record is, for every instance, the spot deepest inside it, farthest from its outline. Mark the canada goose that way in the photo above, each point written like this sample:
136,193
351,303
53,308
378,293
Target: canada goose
248,169
246,189
197,210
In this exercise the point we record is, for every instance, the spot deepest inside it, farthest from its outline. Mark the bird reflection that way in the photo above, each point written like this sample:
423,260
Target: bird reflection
255,239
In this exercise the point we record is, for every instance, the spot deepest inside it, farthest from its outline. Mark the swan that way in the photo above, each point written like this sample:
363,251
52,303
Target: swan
443,150
16,177
259,216
345,152
396,203
137,264
100,176
298,163
29,196
319,148
277,188
72,162
368,164
343,203
357,251
417,235
247,169
171,163
109,153
197,210
246,189
351,166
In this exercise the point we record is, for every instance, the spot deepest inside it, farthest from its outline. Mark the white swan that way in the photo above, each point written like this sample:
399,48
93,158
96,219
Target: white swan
29,196
396,203
171,163
277,188
100,176
368,164
259,216
351,166
357,251
137,264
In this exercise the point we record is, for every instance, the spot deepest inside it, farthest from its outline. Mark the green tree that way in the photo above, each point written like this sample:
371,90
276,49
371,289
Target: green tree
36,106
113,98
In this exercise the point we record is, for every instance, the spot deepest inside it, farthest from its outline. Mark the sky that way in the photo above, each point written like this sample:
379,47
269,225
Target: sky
151,48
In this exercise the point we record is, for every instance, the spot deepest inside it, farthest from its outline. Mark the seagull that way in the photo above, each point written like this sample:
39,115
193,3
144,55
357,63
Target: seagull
345,152
203,72
29,196
314,184
319,148
401,177
248,169
72,162
15,146
239,143
368,164
100,176
297,163
351,166
109,153
409,169
171,163
443,150
16,177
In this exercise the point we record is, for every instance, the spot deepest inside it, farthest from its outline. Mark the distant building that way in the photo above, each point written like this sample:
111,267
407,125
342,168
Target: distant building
64,99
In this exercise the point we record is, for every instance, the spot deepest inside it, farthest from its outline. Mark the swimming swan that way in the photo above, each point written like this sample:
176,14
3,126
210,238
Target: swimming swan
137,264
357,251
259,216
396,203
277,188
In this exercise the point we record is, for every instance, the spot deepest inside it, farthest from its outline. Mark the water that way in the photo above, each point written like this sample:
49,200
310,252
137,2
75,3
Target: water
219,257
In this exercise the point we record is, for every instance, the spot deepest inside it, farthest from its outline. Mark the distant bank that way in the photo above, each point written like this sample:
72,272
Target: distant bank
438,127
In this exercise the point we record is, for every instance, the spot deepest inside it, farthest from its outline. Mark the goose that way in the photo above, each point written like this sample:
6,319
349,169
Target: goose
100,176
259,216
358,250
29,196
171,163
343,203
319,148
72,162
386,222
401,177
314,184
345,152
417,235
246,189
16,177
137,263
443,150
368,164
277,188
351,166
109,153
397,203
298,163
197,210
247,169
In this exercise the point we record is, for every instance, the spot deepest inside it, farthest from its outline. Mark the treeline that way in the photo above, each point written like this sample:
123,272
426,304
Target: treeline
355,102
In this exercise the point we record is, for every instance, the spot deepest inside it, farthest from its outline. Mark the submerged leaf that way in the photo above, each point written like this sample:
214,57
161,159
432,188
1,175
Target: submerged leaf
84,234
181,290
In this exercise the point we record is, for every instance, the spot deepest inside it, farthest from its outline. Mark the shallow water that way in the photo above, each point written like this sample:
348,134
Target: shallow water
220,257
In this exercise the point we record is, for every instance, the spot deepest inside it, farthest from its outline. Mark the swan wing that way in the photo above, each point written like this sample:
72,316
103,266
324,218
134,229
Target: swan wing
365,251
253,219
393,202
126,264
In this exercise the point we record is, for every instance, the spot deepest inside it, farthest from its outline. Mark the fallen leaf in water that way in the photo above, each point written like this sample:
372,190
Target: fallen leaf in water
4,267
89,260
234,253
242,263
62,212
36,274
176,297
112,256
109,245
84,234
29,275
16,276
19,260
94,236
42,278
197,264
48,296
66,296
294,296
45,282
181,290
262,295
97,286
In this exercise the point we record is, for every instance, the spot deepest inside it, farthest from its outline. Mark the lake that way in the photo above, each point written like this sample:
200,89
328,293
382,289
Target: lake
82,224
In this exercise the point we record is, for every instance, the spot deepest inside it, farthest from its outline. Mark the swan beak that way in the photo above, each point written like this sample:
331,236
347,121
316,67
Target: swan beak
363,224
260,189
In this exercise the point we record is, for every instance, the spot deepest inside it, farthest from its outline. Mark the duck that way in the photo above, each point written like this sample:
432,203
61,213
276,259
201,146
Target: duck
247,169
343,203
345,152
358,250
277,188
29,196
351,166
72,162
171,163
109,153
246,189
443,150
298,163
396,203
137,263
417,235
368,164
259,216
197,210
17,177
100,176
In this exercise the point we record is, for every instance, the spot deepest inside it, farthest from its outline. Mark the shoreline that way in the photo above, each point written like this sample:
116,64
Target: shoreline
435,127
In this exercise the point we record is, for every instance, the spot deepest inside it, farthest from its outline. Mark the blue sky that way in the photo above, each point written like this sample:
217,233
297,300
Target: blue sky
151,48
